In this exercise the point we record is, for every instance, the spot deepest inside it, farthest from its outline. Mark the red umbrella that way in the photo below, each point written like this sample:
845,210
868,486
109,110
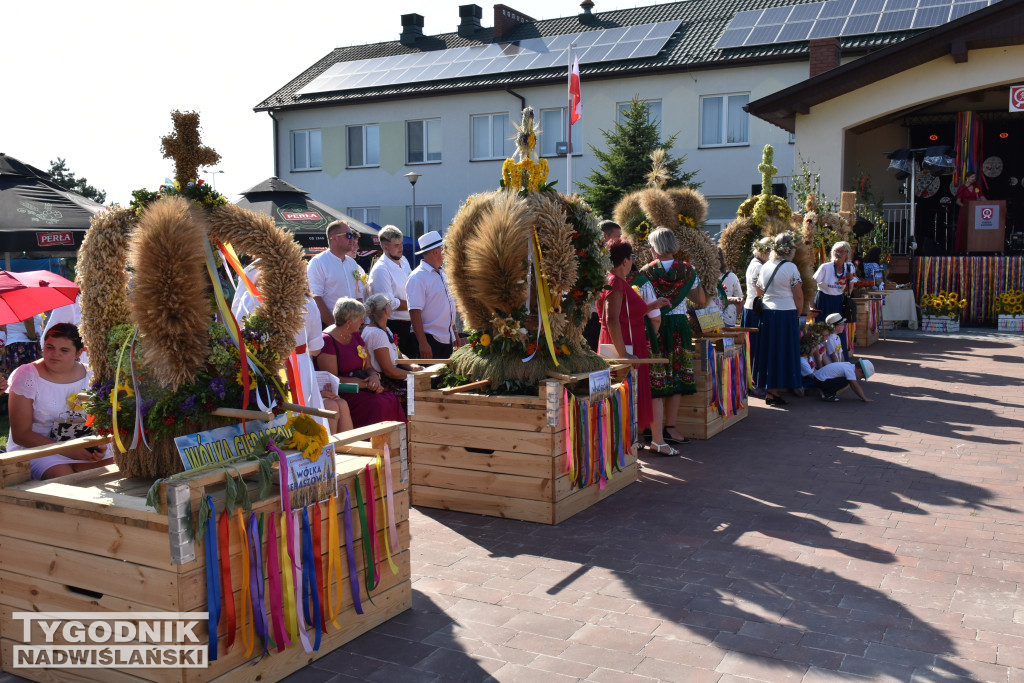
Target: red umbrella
23,295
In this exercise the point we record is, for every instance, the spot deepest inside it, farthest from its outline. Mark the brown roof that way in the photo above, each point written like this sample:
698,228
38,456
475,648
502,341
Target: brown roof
998,25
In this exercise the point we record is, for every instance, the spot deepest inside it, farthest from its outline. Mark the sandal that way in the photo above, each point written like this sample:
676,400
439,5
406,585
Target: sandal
679,441
662,449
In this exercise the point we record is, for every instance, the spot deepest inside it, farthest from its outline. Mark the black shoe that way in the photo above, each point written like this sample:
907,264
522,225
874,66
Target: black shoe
830,398
679,441
774,400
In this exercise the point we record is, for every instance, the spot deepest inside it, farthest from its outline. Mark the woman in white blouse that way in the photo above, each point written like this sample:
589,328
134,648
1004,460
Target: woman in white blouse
778,351
382,344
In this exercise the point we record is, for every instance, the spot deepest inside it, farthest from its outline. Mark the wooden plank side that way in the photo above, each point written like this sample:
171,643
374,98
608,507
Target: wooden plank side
584,498
564,487
486,415
530,488
502,462
483,504
118,541
487,439
145,585
33,594
435,396
279,665
85,498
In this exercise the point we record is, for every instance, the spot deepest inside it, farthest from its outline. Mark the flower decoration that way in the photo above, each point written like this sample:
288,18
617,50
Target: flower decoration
943,304
1010,302
308,436
361,350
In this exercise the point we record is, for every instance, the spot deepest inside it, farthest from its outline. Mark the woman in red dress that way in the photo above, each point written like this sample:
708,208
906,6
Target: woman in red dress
968,192
622,312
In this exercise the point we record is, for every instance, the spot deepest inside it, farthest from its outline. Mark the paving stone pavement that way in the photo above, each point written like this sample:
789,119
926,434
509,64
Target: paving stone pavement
816,542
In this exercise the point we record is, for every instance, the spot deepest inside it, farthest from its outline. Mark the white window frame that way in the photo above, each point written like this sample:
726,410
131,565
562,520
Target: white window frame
426,141
306,135
365,214
621,107
424,214
723,142
348,151
509,146
577,134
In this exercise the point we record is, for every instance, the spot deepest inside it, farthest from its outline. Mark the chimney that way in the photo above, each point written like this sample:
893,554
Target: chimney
825,55
506,19
469,20
587,6
412,29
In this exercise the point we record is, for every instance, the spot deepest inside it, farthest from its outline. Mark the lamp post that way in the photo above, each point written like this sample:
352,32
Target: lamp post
412,177
213,179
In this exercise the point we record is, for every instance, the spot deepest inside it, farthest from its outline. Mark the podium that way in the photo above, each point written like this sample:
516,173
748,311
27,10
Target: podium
986,225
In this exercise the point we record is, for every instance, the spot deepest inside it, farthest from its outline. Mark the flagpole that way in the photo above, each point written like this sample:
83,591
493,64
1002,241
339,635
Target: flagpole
568,125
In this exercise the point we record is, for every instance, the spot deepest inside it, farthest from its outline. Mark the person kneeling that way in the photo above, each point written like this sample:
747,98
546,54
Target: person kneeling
836,377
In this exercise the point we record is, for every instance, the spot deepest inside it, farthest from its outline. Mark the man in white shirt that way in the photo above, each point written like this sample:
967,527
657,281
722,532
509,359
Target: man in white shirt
834,378
334,274
431,307
389,276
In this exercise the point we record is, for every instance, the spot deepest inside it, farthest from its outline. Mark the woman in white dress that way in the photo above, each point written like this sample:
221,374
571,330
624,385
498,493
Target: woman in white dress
43,400
382,344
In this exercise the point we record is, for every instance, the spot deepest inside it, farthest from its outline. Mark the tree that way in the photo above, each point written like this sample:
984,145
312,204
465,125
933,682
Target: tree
626,161
62,175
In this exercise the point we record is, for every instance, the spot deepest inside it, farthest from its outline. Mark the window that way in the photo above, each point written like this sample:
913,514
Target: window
792,138
305,150
553,131
365,214
653,111
428,217
723,121
492,137
423,141
363,146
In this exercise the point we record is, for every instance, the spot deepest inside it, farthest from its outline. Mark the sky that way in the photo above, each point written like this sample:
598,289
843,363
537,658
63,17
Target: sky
94,83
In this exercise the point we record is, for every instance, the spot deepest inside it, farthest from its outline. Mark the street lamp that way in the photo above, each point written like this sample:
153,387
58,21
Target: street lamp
412,177
214,178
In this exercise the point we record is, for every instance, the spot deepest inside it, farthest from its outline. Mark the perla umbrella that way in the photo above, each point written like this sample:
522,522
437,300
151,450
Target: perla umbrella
295,211
38,215
23,295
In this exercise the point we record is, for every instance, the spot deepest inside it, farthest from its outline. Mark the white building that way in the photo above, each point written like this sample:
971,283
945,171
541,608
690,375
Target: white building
351,126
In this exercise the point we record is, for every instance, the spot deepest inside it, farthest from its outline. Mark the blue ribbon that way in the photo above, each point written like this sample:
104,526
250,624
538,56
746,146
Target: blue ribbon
310,591
259,608
350,552
213,596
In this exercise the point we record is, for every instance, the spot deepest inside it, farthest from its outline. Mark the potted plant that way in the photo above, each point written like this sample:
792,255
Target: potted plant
1010,309
941,312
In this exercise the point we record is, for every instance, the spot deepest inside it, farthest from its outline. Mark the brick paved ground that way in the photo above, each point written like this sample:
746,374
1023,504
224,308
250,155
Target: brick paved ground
821,542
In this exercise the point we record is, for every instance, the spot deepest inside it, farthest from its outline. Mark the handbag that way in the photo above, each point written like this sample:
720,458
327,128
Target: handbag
608,350
849,310
758,304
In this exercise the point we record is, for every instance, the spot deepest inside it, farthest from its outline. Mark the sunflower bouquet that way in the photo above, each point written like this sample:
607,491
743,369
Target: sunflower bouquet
1010,302
943,304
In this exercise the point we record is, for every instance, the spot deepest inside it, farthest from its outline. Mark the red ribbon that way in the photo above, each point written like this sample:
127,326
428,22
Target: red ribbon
227,595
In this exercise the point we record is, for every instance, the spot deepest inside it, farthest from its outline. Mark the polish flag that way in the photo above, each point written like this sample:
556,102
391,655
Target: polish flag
574,92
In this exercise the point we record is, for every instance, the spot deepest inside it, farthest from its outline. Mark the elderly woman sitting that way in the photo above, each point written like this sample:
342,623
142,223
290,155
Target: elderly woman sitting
345,354
382,344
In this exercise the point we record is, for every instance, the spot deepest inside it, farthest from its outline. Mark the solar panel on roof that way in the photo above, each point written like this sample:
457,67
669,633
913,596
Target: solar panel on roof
627,42
840,18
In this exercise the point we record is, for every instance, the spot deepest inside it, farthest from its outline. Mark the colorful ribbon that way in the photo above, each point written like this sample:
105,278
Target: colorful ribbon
213,596
227,594
371,513
371,575
275,569
245,616
333,561
310,588
385,483
319,564
350,552
300,576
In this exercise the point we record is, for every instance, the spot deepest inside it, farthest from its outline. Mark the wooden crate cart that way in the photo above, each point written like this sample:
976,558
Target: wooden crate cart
87,542
503,456
720,368
869,319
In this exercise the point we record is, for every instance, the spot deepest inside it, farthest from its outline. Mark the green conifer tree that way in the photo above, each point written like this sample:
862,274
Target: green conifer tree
626,160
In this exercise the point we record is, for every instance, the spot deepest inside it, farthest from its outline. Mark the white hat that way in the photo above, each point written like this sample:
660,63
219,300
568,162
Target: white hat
867,367
428,241
834,319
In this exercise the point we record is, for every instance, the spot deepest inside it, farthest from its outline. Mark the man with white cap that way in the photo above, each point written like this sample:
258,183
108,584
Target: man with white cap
431,307
834,378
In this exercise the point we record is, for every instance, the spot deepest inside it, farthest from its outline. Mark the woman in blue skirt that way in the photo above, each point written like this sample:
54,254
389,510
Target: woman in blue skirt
835,279
761,249
778,349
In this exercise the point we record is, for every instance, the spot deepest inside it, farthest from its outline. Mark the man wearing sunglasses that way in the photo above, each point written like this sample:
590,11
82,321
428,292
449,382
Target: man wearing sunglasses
334,274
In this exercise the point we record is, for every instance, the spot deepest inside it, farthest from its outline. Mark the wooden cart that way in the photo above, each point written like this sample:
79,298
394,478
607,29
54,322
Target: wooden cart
502,456
87,542
698,418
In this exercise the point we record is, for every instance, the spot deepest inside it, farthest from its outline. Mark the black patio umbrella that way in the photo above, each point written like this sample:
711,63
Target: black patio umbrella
38,215
295,211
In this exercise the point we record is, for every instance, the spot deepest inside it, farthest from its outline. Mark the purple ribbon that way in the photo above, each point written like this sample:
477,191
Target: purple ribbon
353,571
259,605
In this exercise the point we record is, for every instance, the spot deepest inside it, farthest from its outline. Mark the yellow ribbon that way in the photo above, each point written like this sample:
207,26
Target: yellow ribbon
288,585
384,507
606,420
247,626
333,560
543,297
114,392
